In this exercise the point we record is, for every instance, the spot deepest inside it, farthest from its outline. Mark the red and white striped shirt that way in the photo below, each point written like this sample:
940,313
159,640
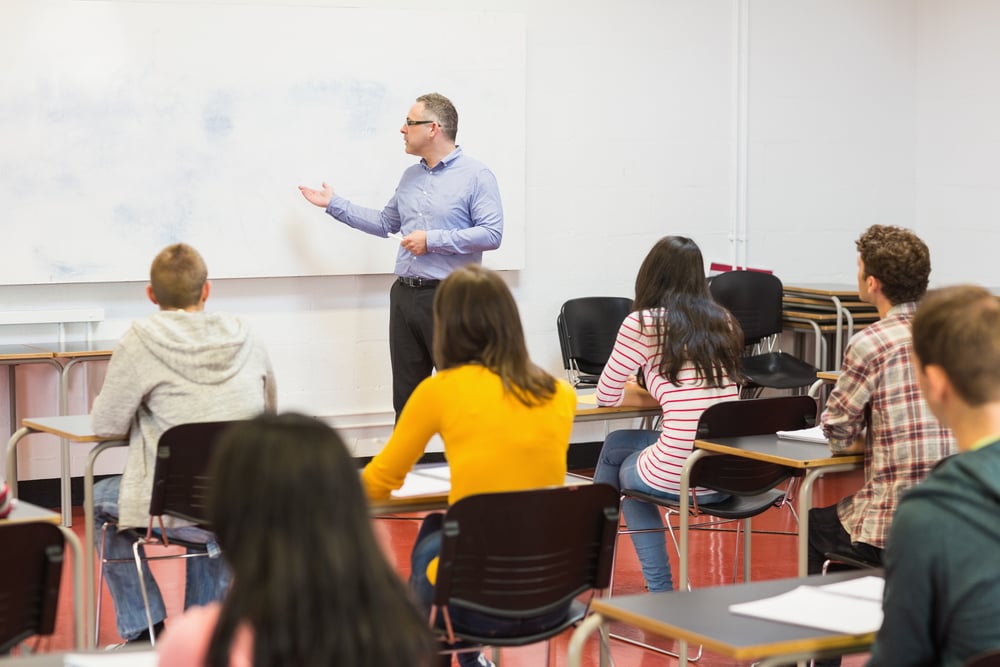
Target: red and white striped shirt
636,351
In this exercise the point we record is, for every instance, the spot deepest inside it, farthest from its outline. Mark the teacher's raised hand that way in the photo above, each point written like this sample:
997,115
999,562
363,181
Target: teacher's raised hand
320,198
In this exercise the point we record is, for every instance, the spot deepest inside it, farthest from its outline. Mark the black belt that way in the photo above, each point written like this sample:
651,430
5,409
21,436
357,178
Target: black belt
417,282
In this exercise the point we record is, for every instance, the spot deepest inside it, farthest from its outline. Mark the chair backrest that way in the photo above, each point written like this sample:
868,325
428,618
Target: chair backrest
181,482
31,563
525,553
741,476
757,416
987,659
755,300
587,329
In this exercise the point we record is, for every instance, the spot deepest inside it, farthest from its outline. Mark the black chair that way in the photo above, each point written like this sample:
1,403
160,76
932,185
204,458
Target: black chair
587,329
31,564
524,554
750,483
989,658
755,300
839,560
181,487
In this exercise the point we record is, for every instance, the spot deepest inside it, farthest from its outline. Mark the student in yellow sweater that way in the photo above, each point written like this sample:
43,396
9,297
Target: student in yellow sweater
504,421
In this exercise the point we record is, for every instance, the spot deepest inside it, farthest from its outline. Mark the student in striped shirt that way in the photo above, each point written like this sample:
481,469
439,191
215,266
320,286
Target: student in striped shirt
685,349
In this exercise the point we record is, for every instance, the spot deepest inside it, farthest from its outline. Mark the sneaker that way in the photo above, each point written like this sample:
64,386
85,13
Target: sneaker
141,638
480,660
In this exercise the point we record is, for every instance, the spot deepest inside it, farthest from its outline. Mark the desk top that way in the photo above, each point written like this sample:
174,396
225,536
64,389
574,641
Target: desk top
586,412
839,290
23,512
587,409
438,498
75,428
78,349
771,448
23,352
702,616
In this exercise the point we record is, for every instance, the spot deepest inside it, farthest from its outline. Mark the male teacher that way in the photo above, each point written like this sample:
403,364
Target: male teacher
447,209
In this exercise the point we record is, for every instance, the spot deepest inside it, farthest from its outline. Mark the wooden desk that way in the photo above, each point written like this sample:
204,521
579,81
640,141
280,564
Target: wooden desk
437,500
592,413
840,295
13,356
72,353
702,617
814,459
72,429
23,512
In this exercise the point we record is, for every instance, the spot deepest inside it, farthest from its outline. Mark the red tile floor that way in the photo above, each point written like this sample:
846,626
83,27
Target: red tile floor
712,562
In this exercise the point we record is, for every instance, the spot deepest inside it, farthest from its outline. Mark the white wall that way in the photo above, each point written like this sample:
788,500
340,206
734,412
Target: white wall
631,135
958,138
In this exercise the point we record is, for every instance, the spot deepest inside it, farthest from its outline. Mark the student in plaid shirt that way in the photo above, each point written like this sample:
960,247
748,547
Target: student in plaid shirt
876,406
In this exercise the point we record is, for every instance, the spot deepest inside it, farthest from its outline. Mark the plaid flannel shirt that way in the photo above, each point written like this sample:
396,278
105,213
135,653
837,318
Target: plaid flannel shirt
878,389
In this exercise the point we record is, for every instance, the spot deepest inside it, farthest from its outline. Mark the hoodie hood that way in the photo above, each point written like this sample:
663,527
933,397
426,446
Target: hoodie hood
969,485
205,348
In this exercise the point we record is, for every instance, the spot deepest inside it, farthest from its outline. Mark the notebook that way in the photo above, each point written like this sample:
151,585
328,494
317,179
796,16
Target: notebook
852,607
814,434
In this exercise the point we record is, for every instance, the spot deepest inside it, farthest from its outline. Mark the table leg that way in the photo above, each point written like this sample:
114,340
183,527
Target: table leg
805,503
684,520
90,594
11,470
79,606
579,638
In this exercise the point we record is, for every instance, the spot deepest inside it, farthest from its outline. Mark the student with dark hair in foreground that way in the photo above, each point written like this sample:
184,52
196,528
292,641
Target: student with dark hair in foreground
504,421
311,587
942,574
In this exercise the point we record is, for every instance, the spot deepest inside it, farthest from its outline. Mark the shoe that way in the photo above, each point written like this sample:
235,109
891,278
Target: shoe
141,638
480,661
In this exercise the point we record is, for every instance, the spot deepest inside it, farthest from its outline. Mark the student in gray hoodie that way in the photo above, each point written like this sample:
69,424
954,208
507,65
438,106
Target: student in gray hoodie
179,365
942,574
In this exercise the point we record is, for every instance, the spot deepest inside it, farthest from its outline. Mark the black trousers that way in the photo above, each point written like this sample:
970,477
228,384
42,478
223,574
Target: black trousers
826,533
411,339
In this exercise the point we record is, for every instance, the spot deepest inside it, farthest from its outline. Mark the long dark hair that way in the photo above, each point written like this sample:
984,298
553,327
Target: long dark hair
689,325
476,322
290,515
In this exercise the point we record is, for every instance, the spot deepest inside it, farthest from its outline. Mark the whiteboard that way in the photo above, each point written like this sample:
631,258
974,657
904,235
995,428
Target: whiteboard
126,126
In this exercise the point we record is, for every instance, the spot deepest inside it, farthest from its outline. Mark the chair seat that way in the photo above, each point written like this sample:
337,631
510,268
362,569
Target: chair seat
778,370
577,612
734,507
851,560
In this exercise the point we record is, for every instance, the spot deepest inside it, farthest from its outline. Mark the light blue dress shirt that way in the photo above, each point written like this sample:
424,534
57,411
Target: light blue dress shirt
457,203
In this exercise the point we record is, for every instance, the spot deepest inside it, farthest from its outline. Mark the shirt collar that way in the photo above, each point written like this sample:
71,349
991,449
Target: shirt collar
446,160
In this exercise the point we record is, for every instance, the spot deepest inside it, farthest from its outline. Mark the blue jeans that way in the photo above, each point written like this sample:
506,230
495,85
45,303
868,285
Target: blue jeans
207,579
616,466
425,549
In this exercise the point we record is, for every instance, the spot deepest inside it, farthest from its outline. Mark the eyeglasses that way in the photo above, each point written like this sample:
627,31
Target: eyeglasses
418,122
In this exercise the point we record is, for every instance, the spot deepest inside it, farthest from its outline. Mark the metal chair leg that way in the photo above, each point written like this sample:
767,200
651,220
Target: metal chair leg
142,586
628,640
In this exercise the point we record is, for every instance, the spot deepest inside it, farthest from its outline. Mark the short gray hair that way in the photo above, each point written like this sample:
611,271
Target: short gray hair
443,111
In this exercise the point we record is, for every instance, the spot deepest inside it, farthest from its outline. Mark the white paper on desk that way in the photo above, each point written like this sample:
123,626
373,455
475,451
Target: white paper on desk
867,588
417,484
436,471
814,434
111,659
813,607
